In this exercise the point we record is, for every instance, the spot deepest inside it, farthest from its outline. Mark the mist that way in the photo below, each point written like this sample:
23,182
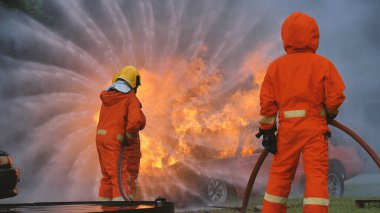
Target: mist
207,57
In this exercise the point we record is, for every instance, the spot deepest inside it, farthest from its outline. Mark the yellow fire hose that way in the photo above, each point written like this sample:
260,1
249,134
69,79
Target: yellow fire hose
256,168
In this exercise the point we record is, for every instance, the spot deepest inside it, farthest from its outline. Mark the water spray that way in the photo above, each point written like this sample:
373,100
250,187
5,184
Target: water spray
264,154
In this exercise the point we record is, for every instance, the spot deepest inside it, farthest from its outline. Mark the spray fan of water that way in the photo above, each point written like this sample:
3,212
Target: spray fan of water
201,63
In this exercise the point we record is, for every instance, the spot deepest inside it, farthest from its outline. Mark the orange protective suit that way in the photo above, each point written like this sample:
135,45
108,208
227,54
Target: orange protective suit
299,87
120,117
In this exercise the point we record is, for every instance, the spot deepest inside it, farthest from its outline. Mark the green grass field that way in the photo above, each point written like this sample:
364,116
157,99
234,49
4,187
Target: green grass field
368,187
337,205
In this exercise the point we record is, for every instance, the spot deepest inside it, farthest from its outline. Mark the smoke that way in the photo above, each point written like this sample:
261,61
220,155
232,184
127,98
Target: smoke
202,64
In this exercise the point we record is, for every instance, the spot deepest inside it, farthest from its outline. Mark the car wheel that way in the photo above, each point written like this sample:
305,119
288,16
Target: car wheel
336,184
217,191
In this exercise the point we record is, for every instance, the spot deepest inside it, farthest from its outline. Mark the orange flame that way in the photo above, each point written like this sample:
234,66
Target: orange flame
96,117
189,115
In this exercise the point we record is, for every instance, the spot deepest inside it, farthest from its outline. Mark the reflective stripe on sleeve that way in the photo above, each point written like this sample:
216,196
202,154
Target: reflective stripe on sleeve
275,199
267,120
120,137
131,135
102,132
316,201
295,113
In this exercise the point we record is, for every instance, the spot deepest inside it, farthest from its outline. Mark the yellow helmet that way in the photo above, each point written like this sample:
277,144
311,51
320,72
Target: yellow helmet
130,74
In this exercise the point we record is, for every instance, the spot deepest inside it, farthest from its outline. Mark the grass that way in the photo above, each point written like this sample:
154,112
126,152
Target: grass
337,205
345,204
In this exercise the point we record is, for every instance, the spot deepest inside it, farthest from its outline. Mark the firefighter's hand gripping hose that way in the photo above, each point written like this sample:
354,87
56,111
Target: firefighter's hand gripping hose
256,169
269,139
120,173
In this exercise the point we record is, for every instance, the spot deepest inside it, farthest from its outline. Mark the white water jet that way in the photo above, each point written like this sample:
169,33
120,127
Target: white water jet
75,60
53,74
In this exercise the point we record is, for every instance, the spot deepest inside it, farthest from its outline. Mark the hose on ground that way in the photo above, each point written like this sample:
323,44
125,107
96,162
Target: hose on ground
335,123
120,173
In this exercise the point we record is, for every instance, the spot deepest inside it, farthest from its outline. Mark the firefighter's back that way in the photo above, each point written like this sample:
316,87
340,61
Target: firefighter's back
113,112
298,86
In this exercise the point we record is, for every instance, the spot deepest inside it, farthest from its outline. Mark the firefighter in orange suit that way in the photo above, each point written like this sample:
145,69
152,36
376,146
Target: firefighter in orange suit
304,90
120,121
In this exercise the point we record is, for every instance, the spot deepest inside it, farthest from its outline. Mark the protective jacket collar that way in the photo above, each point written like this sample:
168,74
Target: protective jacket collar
120,86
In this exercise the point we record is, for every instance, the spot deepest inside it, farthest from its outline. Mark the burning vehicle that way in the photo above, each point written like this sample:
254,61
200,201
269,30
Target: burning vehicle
9,176
213,181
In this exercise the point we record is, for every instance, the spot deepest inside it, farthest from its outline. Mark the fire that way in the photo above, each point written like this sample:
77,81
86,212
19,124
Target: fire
152,155
183,147
190,122
96,117
171,161
247,151
189,113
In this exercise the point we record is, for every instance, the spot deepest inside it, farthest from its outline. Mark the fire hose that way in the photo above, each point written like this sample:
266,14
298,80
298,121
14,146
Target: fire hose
264,154
160,203
120,173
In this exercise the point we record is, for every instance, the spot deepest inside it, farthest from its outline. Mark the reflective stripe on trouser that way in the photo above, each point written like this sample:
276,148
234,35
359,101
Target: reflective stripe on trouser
104,199
316,201
291,143
275,199
316,167
108,150
133,166
120,198
315,204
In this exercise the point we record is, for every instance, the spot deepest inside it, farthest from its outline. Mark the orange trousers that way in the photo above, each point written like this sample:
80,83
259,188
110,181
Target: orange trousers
108,151
312,143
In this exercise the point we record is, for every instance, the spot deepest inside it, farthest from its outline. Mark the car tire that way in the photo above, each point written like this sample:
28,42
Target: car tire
336,184
217,191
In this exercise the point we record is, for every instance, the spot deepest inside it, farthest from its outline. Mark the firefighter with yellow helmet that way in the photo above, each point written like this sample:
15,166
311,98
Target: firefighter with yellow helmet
120,121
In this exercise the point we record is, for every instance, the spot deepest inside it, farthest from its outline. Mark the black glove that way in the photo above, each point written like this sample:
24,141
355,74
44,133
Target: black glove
269,141
331,116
